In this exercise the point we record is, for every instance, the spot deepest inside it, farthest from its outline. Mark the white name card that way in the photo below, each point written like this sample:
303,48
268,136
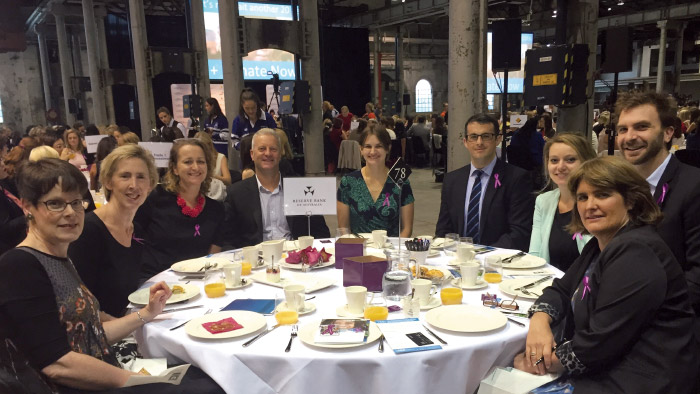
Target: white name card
160,152
313,196
517,121
92,140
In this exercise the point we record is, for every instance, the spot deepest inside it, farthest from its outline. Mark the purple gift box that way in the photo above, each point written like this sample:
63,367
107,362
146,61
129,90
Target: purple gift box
348,247
366,271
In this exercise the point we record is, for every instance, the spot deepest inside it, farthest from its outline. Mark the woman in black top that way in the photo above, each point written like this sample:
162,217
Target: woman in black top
108,253
622,314
179,221
13,227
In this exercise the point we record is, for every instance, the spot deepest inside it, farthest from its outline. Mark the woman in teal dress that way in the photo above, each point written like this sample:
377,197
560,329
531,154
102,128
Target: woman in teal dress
367,199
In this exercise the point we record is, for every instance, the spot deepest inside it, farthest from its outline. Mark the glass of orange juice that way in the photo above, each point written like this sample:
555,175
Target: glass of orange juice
286,316
493,269
451,296
246,268
376,312
214,285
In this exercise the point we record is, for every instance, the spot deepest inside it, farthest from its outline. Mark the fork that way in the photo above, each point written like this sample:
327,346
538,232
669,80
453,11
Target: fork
180,325
291,338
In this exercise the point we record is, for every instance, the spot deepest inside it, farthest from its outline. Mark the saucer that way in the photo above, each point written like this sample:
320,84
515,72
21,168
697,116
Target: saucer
456,263
434,303
479,285
309,307
343,311
246,282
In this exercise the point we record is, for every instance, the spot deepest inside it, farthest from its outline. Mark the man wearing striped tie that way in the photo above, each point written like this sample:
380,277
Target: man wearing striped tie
488,200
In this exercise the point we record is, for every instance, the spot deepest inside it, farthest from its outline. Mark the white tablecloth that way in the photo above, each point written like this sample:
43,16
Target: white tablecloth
264,367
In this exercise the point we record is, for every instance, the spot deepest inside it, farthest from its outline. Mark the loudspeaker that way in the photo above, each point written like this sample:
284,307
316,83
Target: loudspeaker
505,44
556,75
617,50
407,99
295,97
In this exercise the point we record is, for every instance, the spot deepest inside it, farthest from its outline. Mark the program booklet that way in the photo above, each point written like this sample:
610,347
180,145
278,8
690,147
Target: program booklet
407,335
342,331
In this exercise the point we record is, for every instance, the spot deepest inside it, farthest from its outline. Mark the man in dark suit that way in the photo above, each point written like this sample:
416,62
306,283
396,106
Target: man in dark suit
488,200
255,206
645,127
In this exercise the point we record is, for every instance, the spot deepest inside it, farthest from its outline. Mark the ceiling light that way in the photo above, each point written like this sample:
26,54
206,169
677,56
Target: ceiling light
609,9
554,16
620,2
555,11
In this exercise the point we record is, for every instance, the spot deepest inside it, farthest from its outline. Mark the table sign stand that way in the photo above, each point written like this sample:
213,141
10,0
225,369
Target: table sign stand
308,222
398,174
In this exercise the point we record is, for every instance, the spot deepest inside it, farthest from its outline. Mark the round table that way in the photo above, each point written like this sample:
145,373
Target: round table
264,367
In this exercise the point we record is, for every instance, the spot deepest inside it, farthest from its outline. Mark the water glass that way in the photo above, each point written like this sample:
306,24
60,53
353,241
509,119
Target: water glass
493,269
396,282
451,242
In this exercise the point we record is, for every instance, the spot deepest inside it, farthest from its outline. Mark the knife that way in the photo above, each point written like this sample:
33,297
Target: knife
381,344
262,334
535,283
181,308
433,334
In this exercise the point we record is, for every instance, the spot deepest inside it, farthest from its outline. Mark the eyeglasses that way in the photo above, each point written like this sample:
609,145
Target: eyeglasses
486,137
78,205
492,301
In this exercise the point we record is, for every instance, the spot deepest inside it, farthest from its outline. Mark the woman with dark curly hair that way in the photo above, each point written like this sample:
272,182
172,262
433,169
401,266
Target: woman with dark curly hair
179,220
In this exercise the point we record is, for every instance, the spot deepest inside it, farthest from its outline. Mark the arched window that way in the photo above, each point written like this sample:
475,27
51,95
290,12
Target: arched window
424,96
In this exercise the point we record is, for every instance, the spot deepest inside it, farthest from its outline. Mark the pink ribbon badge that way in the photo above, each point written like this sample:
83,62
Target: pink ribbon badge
196,231
497,184
139,240
586,288
664,190
577,236
386,200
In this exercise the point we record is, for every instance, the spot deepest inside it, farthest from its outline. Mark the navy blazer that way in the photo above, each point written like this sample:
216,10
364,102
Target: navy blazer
680,228
244,223
506,216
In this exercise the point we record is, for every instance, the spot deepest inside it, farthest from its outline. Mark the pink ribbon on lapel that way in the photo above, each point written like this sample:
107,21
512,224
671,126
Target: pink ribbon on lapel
664,190
586,288
196,231
386,200
497,184
577,236
139,240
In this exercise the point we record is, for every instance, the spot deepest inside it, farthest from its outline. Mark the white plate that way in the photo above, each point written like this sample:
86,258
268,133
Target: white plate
465,318
479,284
434,303
250,321
343,311
311,282
307,334
309,307
329,263
141,296
508,286
247,282
527,261
441,243
445,272
193,266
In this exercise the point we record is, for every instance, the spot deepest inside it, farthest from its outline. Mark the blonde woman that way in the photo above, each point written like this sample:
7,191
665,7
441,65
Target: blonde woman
74,152
221,171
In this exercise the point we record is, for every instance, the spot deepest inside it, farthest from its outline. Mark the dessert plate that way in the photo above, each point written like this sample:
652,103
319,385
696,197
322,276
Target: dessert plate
465,318
141,296
307,334
250,321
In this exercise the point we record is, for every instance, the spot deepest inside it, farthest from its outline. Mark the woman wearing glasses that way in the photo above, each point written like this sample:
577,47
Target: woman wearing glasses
108,253
621,313
179,220
549,239
367,199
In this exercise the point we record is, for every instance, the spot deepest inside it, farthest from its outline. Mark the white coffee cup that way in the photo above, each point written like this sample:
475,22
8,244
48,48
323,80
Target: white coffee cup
465,252
232,273
305,242
294,295
250,255
470,271
272,249
424,290
379,237
357,296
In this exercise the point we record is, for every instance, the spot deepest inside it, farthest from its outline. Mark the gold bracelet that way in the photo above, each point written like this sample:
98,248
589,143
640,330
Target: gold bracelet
138,313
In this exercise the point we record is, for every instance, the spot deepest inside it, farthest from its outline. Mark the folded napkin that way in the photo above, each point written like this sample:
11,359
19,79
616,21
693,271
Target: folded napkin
225,325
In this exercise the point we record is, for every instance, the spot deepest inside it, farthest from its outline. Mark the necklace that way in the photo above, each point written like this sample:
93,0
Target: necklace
191,212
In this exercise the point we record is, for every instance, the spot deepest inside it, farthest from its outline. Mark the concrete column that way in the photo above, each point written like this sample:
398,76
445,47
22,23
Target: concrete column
76,53
66,64
678,62
100,14
582,29
311,70
662,57
144,87
399,70
96,83
377,67
232,67
463,83
199,44
45,69
483,42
